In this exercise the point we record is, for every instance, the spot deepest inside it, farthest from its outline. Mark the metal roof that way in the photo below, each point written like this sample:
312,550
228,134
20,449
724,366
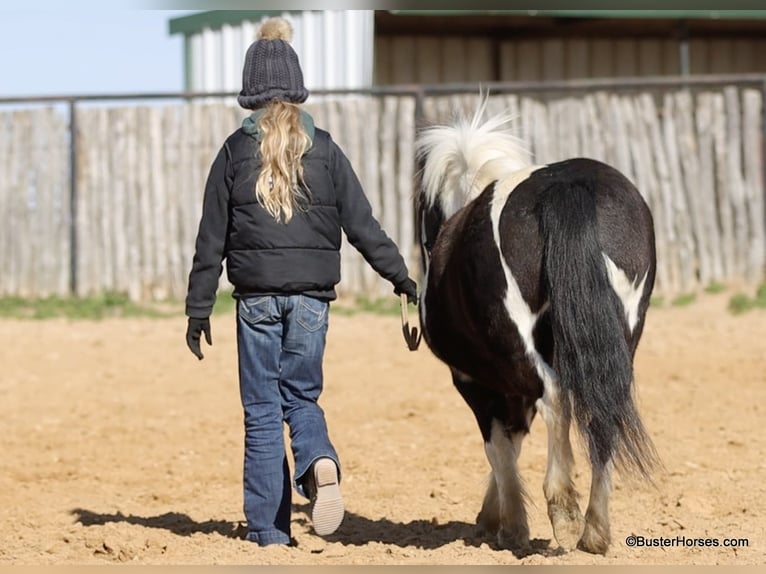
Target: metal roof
217,18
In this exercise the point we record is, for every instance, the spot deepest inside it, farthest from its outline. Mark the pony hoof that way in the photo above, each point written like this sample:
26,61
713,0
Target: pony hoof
594,541
568,524
486,526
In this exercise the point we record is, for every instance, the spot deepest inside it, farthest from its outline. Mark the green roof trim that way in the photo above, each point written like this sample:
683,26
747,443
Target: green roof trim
668,14
217,18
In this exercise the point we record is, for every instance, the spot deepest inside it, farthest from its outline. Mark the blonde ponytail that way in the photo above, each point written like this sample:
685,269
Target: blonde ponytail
280,188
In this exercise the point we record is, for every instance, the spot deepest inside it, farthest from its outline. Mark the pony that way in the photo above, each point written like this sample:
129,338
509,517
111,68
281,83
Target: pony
537,282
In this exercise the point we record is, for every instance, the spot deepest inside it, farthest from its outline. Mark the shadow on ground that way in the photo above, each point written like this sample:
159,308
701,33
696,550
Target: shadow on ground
355,530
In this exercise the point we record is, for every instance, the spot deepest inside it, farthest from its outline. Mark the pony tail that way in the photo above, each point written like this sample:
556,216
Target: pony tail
280,187
592,358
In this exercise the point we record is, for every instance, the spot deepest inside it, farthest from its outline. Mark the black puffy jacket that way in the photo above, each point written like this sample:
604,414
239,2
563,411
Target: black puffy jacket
264,256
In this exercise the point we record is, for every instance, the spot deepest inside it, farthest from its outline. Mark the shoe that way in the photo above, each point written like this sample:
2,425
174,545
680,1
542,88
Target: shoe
326,503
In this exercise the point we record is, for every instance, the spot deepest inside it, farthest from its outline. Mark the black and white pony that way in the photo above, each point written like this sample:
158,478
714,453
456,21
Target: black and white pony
538,279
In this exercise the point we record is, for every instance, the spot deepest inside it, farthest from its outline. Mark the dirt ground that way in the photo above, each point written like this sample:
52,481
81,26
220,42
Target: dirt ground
119,446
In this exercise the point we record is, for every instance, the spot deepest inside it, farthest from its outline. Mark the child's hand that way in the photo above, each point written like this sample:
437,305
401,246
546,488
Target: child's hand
194,332
409,288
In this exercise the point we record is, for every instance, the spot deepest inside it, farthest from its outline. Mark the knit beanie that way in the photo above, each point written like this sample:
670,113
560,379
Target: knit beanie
272,71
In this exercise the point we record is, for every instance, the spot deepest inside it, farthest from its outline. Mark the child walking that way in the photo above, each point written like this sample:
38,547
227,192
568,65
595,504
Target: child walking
278,195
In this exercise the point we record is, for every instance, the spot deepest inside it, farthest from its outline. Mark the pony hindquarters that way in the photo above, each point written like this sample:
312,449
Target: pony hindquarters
537,281
599,265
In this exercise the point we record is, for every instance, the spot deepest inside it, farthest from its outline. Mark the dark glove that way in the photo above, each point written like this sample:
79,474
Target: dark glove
409,288
194,331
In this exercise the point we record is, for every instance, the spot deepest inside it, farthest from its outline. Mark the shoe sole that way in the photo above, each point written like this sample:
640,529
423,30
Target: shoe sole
327,510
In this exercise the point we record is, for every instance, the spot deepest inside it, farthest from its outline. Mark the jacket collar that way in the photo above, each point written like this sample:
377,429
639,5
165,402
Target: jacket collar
251,125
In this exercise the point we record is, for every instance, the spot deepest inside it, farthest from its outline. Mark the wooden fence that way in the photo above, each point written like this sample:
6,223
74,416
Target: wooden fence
697,156
34,203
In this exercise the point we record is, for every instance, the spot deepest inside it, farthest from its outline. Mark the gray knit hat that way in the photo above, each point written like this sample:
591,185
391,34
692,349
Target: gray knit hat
272,70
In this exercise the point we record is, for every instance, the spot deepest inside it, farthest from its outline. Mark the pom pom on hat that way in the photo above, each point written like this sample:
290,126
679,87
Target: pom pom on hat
276,29
272,71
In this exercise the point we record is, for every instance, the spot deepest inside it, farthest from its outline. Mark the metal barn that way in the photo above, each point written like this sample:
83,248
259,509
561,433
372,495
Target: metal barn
356,49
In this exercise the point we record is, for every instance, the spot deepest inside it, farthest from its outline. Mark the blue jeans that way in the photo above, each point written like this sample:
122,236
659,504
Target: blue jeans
280,344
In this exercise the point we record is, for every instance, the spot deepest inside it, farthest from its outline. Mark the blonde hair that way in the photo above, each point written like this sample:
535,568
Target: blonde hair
280,188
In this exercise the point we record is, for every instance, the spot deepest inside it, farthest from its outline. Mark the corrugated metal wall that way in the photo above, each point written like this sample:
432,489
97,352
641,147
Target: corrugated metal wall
334,48
430,59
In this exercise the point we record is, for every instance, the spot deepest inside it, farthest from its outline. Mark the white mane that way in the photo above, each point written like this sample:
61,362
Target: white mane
463,158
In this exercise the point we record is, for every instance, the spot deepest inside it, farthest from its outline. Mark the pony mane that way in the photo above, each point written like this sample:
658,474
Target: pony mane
461,159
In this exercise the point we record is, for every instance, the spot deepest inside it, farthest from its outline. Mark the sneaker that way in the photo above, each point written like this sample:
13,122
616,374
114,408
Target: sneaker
326,502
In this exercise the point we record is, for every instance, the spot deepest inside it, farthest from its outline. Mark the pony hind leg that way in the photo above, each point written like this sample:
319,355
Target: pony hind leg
503,512
596,536
560,493
634,296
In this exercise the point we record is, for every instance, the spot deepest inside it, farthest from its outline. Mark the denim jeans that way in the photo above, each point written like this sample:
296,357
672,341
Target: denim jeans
280,344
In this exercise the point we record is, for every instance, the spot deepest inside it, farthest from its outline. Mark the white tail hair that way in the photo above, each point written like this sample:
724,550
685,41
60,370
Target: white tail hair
461,159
